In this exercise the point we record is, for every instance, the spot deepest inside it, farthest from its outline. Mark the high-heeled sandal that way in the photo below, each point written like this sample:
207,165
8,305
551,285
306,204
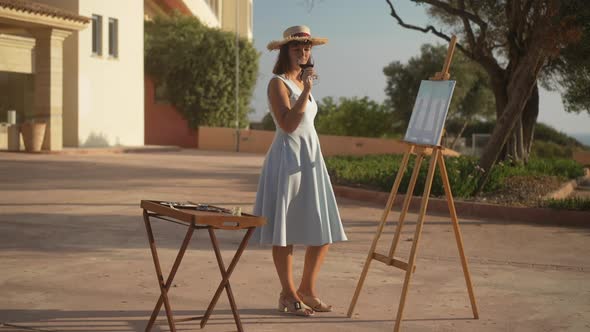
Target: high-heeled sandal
315,303
291,306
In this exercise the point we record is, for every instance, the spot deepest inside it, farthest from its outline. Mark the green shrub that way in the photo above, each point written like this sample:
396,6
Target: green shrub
361,117
572,203
547,133
268,123
379,172
564,168
196,66
543,149
547,139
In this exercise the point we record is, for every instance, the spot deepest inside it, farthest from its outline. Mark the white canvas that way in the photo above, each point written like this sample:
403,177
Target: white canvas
430,112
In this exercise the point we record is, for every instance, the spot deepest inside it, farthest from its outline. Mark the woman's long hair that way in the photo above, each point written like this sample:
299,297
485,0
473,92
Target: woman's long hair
283,61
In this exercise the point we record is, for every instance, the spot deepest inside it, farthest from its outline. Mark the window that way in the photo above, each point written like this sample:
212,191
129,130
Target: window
113,37
214,4
97,34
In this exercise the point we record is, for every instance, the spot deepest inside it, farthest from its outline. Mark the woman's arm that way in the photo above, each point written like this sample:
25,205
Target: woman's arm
288,117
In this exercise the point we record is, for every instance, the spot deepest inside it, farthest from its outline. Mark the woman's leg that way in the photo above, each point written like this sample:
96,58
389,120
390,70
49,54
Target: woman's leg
314,258
283,259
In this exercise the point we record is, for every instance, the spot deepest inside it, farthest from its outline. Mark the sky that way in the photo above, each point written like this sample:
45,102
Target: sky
363,39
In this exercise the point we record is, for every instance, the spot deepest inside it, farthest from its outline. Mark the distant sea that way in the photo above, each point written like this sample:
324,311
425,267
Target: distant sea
584,138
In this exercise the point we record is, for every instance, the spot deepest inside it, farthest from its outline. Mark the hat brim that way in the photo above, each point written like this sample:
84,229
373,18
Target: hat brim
315,41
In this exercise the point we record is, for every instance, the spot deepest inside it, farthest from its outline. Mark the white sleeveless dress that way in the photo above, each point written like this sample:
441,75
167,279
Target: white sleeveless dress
294,191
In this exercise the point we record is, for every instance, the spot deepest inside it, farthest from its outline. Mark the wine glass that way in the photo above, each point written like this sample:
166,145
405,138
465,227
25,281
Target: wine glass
309,64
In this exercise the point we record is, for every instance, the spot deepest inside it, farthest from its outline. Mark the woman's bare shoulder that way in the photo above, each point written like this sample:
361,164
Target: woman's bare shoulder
276,85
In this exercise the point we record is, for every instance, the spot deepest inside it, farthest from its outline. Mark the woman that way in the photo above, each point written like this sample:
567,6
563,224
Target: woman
294,192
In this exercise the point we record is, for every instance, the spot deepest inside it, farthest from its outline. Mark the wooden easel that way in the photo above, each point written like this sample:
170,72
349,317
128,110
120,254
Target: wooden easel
436,157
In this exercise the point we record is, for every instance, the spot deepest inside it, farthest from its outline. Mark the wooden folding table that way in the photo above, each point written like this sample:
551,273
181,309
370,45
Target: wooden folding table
197,216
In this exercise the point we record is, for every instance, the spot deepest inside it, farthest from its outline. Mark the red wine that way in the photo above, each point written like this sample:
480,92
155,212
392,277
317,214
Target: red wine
303,66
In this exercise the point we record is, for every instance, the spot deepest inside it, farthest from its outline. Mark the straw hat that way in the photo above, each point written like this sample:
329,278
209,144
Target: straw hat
296,33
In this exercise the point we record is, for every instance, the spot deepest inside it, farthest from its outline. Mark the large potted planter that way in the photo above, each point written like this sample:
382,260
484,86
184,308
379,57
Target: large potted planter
33,135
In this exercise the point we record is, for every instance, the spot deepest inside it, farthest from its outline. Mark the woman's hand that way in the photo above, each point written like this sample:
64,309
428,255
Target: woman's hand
307,78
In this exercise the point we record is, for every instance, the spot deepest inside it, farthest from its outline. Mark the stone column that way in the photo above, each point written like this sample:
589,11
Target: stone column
49,84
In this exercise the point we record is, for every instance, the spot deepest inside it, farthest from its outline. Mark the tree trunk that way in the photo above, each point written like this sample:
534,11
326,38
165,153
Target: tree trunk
513,150
510,148
518,146
529,120
465,124
499,87
521,83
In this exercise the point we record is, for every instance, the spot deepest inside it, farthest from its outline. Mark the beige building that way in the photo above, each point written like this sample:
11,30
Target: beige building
32,64
78,64
213,13
103,75
244,20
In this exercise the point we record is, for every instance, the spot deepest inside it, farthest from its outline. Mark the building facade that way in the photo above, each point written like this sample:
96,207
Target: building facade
32,65
103,78
78,64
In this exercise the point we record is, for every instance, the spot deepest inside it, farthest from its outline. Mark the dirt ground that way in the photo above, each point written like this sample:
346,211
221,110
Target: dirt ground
74,256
